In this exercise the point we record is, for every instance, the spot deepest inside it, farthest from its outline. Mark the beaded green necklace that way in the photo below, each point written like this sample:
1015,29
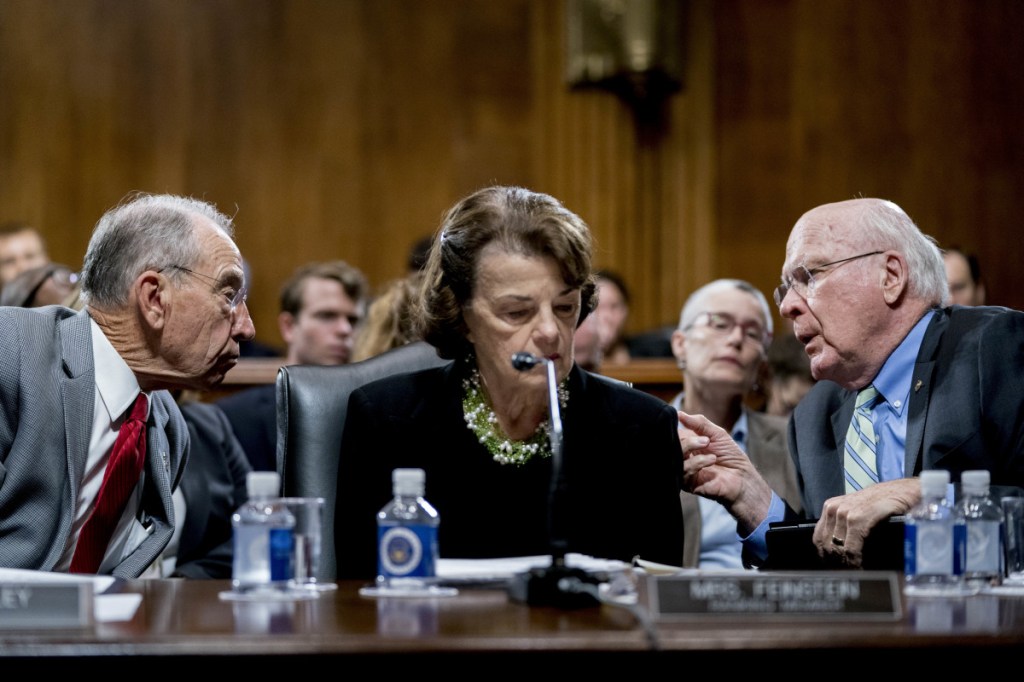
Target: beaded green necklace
482,421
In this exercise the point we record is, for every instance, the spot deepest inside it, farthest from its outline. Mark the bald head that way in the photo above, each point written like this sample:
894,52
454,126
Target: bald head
858,275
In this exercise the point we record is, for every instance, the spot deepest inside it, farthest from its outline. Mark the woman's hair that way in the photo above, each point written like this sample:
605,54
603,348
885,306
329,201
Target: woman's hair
389,320
144,232
522,222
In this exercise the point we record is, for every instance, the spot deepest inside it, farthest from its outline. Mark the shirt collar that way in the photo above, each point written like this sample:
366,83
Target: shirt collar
739,430
115,381
893,381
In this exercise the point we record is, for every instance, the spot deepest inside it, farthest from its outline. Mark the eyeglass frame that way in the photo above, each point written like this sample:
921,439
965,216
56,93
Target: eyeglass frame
240,297
765,337
784,288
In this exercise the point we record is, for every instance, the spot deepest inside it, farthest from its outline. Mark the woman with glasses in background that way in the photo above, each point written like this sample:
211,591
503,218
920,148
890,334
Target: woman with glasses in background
721,345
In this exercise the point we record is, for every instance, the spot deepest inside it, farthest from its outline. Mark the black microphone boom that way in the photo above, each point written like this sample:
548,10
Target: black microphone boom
557,585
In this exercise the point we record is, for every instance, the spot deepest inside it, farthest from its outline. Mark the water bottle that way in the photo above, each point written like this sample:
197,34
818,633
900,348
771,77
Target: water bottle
934,540
407,535
263,537
984,519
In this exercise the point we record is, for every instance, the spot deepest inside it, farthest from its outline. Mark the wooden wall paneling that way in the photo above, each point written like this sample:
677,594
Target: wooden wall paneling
344,129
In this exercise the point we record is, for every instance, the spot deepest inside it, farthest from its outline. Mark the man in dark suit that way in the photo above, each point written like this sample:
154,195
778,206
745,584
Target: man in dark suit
322,305
865,289
164,308
212,488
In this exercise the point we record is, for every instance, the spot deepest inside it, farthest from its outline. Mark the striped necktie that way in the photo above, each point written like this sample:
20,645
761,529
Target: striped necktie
119,480
859,460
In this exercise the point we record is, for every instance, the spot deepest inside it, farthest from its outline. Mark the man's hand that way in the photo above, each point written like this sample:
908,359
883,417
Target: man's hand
715,467
846,520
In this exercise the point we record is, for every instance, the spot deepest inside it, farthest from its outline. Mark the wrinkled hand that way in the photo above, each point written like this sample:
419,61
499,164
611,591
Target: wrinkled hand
849,518
714,466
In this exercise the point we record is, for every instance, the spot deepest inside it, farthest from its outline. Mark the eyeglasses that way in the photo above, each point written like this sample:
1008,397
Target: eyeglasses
801,279
64,277
722,324
234,297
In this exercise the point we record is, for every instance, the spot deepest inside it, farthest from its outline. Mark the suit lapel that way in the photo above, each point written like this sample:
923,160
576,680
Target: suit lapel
840,425
920,393
78,392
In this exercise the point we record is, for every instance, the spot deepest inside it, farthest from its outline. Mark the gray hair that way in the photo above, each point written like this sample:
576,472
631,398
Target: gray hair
888,226
694,305
143,232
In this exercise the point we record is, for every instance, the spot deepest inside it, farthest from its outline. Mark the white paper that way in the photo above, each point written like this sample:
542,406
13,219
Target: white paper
506,567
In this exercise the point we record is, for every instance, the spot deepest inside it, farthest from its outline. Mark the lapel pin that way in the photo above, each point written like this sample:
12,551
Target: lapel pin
918,385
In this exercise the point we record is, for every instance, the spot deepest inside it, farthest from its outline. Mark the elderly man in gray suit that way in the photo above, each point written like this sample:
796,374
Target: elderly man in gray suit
932,386
164,308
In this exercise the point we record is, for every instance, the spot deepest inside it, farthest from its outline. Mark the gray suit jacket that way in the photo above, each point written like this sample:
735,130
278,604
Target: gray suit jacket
47,391
767,450
966,407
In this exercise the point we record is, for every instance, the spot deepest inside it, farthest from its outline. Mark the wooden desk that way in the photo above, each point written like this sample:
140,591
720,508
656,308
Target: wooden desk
657,376
182,626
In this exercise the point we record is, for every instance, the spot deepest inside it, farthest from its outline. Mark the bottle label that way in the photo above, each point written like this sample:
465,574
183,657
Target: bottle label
281,545
984,547
407,551
262,556
928,549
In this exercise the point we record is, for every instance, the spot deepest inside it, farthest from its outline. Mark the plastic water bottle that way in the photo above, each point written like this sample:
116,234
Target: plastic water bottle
407,535
984,519
263,537
934,539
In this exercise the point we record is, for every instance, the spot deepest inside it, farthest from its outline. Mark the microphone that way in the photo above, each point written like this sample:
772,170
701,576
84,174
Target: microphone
523,361
556,585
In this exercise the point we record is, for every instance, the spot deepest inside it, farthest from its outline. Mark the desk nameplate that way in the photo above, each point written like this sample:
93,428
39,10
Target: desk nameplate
46,605
850,595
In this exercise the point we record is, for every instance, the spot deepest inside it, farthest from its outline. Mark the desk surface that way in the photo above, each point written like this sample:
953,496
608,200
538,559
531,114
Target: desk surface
657,376
180,620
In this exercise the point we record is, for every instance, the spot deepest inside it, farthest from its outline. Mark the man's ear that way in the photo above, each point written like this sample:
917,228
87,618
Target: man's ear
894,279
286,325
152,297
678,342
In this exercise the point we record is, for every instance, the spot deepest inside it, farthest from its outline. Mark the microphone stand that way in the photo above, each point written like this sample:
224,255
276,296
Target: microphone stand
557,585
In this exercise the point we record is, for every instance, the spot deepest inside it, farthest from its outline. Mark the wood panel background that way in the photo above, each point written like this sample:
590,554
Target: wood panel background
345,128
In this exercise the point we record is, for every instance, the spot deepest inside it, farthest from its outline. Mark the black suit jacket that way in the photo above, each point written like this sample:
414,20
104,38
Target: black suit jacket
966,407
622,464
253,417
214,487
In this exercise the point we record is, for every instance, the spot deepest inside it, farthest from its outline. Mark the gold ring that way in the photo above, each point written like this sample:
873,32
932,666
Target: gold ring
838,542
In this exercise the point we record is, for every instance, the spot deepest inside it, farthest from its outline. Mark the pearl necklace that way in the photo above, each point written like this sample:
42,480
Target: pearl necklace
482,421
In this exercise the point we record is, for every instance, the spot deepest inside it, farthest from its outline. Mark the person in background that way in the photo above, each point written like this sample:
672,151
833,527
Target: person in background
611,314
725,329
164,299
389,319
934,387
586,343
21,247
322,305
510,272
50,284
418,254
252,348
212,488
964,276
789,374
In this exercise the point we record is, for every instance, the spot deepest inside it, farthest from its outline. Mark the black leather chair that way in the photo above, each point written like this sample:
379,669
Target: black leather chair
311,405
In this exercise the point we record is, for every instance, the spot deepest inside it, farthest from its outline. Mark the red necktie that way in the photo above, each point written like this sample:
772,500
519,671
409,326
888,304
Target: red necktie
119,480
